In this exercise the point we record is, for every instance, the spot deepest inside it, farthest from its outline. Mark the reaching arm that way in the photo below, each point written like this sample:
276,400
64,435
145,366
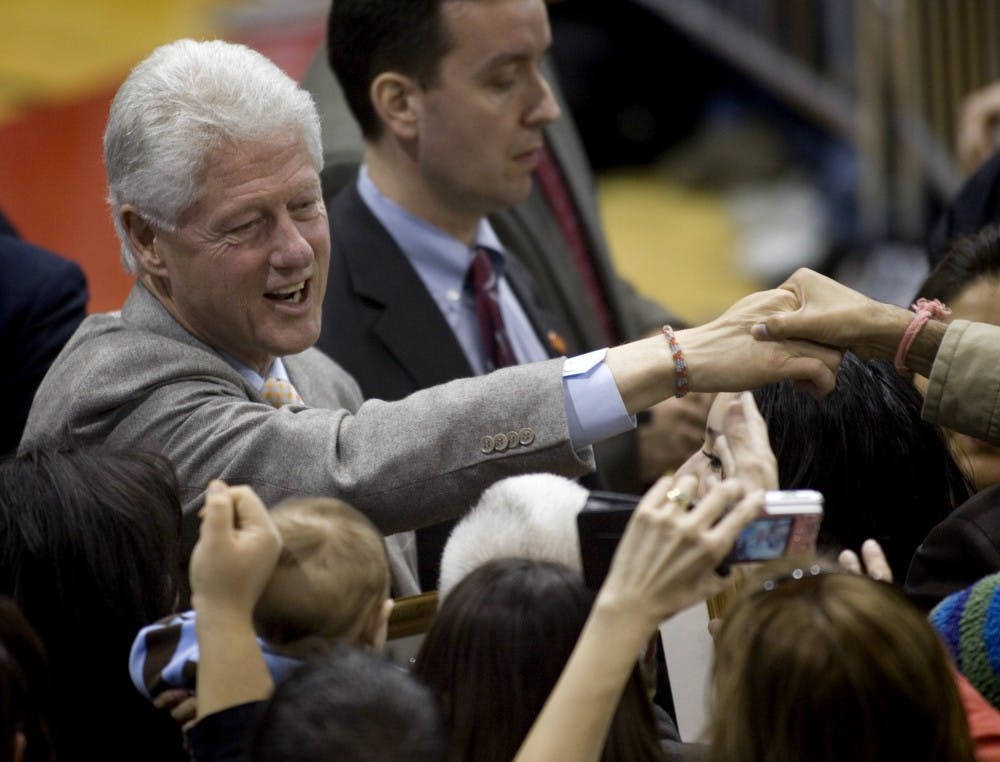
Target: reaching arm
236,552
722,356
665,562
828,312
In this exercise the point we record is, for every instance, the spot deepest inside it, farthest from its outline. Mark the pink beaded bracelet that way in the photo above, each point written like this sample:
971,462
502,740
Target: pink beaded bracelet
925,309
680,364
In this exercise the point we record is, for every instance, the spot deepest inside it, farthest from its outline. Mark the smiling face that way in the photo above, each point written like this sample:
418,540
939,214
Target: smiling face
479,125
245,270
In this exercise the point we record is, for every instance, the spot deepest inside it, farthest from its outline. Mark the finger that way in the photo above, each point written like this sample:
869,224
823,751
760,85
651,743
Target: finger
739,516
170,698
185,711
717,501
876,565
725,453
849,560
714,625
818,374
218,512
250,510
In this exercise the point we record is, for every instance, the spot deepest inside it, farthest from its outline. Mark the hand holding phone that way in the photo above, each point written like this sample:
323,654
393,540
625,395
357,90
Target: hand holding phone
788,526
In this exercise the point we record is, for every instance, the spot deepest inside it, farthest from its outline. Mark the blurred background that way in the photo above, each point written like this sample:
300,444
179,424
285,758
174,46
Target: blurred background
734,140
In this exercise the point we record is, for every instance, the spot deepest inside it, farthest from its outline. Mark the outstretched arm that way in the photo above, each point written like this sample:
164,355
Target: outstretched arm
665,562
722,356
236,552
828,312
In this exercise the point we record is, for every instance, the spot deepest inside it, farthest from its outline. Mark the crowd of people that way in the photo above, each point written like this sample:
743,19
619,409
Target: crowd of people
341,379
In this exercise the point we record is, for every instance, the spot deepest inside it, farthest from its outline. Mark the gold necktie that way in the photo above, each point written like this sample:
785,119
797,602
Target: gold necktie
279,392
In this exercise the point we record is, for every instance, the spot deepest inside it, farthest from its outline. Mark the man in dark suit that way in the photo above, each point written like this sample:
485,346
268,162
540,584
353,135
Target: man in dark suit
392,317
43,298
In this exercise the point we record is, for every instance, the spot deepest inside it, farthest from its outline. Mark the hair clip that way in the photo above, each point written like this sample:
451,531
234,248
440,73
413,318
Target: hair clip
795,574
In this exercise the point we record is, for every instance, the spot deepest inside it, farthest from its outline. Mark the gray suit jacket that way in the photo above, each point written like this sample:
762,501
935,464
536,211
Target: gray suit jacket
138,379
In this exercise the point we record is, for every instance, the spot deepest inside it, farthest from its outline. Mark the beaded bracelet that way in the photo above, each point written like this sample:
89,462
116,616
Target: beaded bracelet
680,364
925,309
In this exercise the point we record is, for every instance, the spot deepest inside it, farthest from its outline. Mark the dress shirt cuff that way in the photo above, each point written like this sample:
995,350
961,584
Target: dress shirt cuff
594,406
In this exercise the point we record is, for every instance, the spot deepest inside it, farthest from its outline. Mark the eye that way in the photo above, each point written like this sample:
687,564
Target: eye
305,208
714,461
503,85
245,228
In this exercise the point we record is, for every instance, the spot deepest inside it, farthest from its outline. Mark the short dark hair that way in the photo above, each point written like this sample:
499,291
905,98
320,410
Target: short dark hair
368,37
967,260
351,705
496,649
884,472
90,553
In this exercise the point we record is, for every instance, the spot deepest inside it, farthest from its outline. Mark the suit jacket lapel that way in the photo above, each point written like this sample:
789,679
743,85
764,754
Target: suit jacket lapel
410,326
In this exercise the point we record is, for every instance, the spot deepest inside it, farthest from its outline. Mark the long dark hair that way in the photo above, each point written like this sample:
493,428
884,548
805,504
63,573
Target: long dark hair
25,690
497,648
884,472
89,552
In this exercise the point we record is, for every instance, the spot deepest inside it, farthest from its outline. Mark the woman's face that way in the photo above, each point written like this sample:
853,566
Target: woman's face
979,302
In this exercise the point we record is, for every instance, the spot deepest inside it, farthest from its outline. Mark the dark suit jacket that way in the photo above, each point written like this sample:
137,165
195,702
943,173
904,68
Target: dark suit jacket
530,231
380,322
43,298
958,552
382,325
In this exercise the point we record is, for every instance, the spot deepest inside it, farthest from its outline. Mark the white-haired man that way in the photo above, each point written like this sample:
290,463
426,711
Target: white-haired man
213,158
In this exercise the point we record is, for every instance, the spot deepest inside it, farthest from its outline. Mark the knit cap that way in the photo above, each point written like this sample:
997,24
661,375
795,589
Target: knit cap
969,623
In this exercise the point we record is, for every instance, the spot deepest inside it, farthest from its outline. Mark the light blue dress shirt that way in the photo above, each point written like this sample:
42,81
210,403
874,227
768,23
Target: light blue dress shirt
594,407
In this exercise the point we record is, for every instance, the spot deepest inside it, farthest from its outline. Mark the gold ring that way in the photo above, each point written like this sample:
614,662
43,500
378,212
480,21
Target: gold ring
675,495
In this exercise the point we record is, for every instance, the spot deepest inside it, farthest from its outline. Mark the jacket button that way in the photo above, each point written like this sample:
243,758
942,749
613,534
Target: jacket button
488,445
526,437
500,442
513,439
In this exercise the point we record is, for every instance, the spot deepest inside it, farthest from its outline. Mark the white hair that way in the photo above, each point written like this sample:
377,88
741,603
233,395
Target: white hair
175,106
531,516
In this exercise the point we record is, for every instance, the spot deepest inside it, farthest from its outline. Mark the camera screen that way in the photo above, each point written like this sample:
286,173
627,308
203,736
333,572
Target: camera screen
763,539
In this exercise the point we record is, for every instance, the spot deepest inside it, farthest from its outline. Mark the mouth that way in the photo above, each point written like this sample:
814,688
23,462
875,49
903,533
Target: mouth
530,156
292,294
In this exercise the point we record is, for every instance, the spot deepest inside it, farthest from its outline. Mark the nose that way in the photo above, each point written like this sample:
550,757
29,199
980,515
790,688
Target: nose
290,249
544,108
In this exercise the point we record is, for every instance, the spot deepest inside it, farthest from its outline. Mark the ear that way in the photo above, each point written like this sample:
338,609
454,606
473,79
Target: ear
395,98
377,627
142,238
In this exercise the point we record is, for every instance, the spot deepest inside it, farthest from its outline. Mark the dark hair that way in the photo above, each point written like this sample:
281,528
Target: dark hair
351,706
967,260
368,37
832,667
884,472
496,649
24,687
89,552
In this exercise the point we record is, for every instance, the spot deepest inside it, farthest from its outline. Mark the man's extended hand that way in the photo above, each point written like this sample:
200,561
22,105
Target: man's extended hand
723,357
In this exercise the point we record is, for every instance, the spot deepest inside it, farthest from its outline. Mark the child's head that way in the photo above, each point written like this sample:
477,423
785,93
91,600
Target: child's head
331,582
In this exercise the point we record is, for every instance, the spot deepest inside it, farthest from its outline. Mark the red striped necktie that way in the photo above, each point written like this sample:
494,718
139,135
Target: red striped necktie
496,343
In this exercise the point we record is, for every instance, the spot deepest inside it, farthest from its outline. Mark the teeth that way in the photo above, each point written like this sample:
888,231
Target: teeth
290,289
296,298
